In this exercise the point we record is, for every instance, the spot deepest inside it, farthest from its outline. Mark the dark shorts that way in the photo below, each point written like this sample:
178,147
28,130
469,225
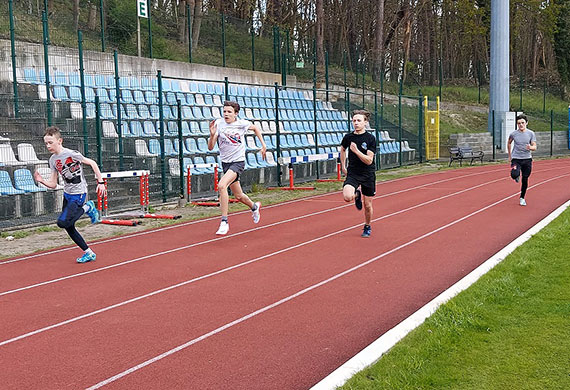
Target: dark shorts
367,187
521,166
236,166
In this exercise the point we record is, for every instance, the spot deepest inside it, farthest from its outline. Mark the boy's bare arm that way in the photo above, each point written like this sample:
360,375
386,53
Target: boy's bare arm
213,135
343,160
367,158
50,183
100,184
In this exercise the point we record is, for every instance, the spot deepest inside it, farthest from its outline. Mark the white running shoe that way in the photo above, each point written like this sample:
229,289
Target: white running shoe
255,214
223,229
522,202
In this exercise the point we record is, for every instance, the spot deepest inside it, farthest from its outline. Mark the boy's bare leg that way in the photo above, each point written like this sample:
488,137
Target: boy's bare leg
240,195
223,185
368,210
348,193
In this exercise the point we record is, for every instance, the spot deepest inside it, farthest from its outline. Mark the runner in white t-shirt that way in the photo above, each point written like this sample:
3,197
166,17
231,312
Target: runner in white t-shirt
229,133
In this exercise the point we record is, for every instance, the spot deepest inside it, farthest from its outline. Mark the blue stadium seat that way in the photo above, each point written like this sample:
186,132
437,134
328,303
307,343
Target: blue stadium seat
136,129
24,181
202,144
6,187
191,145
149,129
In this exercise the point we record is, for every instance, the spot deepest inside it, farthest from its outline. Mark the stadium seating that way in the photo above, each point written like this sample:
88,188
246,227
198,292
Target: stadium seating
23,180
6,187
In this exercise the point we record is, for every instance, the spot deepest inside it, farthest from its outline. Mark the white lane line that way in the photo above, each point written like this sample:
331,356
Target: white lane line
157,230
373,352
232,235
299,293
156,292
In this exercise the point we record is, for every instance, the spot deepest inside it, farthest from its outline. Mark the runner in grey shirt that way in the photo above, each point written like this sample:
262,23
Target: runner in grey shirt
524,141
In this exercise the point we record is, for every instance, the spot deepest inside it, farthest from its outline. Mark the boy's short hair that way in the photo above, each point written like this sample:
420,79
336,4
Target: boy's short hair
53,131
522,116
362,112
232,104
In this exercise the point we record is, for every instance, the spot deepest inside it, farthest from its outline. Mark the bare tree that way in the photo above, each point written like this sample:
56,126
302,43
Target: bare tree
320,32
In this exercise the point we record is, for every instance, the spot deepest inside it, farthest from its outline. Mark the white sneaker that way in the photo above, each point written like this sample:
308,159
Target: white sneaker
255,214
223,229
522,202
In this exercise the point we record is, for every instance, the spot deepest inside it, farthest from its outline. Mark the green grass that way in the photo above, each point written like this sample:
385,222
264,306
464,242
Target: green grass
510,330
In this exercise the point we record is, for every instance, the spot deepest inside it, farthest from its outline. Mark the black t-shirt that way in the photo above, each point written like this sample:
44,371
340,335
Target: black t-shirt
365,142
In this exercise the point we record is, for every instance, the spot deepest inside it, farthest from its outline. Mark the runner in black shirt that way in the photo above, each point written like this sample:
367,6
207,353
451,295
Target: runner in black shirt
361,147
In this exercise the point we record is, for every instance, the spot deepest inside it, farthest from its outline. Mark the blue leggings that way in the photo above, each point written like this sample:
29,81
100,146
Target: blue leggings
71,212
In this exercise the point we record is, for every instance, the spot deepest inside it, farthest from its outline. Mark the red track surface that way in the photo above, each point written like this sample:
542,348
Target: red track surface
277,305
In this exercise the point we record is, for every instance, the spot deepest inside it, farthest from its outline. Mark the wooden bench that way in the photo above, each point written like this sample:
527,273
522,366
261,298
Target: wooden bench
464,153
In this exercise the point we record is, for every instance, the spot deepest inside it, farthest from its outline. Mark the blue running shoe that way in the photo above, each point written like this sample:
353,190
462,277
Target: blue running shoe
366,231
92,212
358,200
87,257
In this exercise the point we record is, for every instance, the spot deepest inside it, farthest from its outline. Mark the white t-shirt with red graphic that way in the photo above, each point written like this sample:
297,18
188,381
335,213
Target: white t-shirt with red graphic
68,165
231,139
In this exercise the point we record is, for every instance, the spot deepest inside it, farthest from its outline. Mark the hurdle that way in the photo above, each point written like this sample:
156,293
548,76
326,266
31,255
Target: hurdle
144,198
308,158
203,202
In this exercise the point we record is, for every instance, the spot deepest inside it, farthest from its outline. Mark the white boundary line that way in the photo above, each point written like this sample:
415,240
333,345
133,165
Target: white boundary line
297,294
251,230
157,230
384,343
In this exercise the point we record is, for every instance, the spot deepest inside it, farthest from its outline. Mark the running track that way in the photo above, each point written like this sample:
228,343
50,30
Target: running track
277,305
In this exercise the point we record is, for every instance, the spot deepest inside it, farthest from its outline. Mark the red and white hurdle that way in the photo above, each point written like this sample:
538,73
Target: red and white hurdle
214,202
307,158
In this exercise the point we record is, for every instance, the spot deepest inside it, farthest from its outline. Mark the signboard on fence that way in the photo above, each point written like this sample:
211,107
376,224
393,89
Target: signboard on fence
431,127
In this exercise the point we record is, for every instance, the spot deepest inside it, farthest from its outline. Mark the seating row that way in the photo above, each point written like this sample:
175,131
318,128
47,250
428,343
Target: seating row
26,155
58,78
23,181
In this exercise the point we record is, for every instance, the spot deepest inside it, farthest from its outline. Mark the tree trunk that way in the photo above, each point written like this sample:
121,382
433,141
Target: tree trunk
182,22
197,21
320,32
92,20
379,39
76,15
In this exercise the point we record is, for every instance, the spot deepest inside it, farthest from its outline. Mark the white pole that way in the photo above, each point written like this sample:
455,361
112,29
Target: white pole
499,87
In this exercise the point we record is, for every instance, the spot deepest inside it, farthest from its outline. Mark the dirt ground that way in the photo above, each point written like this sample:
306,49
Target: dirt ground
27,241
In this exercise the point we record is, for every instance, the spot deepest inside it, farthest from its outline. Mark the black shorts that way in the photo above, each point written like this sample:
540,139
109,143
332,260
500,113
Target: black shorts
367,187
521,166
236,166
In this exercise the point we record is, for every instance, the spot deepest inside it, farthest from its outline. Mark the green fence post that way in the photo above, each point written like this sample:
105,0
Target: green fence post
421,125
149,31
274,52
314,61
102,19
348,110
13,54
118,98
98,132
315,124
544,98
551,132
283,70
288,54
161,139
189,23
494,136
252,45
226,88
440,77
521,93
46,10
344,66
83,98
180,148
46,67
223,40
400,128
478,81
377,132
356,62
278,133
327,74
